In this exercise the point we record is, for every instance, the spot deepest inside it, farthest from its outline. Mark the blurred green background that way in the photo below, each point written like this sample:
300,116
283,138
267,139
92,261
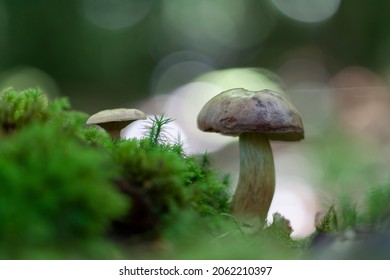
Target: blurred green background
110,52
170,56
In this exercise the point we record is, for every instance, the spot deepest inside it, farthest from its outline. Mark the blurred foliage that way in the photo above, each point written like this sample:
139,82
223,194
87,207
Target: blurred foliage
232,243
122,61
353,229
55,201
371,211
346,165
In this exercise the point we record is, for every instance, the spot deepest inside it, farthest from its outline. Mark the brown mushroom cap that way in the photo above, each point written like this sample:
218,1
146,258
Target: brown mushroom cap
238,111
116,118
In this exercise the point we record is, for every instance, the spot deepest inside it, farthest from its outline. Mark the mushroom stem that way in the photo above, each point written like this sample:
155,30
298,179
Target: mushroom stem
256,183
115,133
113,129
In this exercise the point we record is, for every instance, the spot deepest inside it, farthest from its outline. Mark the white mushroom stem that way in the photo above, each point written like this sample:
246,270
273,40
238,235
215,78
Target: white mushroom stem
256,183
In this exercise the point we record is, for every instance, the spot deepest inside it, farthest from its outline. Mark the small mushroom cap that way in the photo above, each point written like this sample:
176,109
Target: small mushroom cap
237,111
118,118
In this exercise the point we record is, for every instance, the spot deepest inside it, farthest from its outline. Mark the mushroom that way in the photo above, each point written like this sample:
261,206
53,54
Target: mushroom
114,120
256,117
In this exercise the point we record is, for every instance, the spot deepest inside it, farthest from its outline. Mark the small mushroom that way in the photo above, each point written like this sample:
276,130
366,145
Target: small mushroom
256,117
114,120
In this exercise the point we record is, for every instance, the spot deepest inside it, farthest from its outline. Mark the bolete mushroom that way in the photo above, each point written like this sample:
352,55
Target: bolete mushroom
114,120
256,117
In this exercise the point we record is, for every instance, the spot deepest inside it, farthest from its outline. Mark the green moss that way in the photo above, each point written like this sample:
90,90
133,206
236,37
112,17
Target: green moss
54,197
372,211
377,212
168,183
66,189
328,223
20,108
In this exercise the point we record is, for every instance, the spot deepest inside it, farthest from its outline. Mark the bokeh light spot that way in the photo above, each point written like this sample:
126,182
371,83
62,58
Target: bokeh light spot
295,200
21,78
308,10
116,15
184,105
177,69
214,27
248,78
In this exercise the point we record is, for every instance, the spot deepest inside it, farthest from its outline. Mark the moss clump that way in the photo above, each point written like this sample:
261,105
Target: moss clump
54,198
55,201
63,183
18,109
164,183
